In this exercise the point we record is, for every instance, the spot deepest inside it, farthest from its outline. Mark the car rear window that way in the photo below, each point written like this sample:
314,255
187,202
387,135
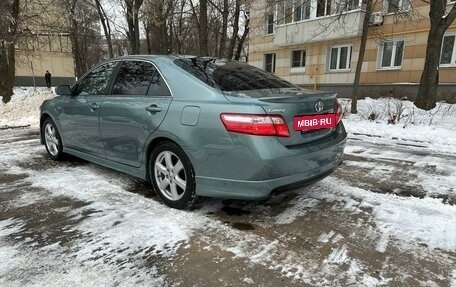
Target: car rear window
228,75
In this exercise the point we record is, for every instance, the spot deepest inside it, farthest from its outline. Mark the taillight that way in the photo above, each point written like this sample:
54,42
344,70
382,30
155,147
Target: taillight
260,125
338,112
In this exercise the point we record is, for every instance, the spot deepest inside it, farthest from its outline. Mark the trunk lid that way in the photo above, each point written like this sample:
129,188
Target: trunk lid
290,102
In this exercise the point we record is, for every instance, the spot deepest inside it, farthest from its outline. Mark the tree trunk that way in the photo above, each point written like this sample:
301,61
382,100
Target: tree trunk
179,34
429,82
147,32
76,49
241,41
203,28
7,53
106,27
169,42
362,50
132,18
225,13
237,11
7,70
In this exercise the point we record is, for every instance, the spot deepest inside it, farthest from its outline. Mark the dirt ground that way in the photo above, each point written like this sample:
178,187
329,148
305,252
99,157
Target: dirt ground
80,231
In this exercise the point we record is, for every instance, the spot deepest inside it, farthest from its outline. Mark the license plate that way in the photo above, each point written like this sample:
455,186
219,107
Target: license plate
314,122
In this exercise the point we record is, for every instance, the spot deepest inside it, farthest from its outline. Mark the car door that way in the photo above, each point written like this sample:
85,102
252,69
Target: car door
134,109
79,119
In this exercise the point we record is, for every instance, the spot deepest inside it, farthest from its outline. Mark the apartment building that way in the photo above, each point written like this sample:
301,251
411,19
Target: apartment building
315,44
43,45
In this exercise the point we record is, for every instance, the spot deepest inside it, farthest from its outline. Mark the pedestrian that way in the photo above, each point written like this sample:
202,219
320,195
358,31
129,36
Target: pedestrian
47,77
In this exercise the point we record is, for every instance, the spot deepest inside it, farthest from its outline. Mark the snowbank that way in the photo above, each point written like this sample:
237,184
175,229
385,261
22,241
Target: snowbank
434,129
24,107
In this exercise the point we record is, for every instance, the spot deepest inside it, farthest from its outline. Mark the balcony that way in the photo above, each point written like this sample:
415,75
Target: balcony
332,27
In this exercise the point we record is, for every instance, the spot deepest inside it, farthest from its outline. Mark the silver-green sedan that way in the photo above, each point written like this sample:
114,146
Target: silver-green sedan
196,126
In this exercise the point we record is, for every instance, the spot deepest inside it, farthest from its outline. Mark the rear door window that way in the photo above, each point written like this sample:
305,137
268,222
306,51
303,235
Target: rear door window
158,87
133,78
139,78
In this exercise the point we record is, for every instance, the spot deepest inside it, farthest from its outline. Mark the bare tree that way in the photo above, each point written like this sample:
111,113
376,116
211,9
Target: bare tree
237,12
106,26
362,51
158,18
202,28
178,26
440,21
9,19
132,16
224,11
241,41
84,35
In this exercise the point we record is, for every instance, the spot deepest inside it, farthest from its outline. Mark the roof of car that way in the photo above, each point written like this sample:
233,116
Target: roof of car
146,56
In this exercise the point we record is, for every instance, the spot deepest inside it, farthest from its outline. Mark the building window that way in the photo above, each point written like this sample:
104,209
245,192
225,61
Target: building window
448,55
323,7
301,10
298,59
339,58
354,4
395,6
269,62
391,54
285,12
269,23
345,5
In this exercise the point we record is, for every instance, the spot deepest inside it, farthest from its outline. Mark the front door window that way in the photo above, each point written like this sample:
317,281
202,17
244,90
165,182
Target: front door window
95,82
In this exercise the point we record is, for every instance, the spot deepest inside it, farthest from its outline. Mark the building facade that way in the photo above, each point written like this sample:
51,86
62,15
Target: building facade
43,45
315,44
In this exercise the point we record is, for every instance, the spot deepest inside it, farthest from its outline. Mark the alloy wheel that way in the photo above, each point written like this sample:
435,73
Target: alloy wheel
170,175
50,137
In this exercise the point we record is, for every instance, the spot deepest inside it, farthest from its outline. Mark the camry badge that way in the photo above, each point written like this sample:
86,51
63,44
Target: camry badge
276,110
319,106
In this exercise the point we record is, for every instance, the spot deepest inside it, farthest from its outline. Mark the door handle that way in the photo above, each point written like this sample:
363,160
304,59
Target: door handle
94,107
153,109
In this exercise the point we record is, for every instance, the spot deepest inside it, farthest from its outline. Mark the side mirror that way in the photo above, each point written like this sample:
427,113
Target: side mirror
63,90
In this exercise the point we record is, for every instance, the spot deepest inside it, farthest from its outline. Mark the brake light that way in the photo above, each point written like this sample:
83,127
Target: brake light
338,112
260,125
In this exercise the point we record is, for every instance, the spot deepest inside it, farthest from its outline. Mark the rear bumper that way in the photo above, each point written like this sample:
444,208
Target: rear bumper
255,174
254,190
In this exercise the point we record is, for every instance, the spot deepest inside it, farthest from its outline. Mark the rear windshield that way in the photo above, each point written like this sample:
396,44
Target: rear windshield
228,75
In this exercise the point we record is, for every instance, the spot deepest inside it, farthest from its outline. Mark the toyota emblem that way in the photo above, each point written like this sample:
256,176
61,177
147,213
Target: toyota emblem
319,106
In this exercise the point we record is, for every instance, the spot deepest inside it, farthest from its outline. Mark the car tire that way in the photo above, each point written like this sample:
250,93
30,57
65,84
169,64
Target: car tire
52,140
172,176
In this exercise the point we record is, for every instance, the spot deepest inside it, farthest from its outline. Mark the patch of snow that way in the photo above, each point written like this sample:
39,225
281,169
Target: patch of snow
325,237
8,254
372,168
143,223
125,229
338,255
383,241
453,278
23,109
427,221
300,206
248,280
443,179
357,276
10,226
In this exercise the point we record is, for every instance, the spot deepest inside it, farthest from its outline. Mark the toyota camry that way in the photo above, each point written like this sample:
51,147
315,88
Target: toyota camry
196,126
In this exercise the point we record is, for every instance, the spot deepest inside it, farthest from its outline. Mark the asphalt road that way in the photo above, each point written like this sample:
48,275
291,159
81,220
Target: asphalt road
73,223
